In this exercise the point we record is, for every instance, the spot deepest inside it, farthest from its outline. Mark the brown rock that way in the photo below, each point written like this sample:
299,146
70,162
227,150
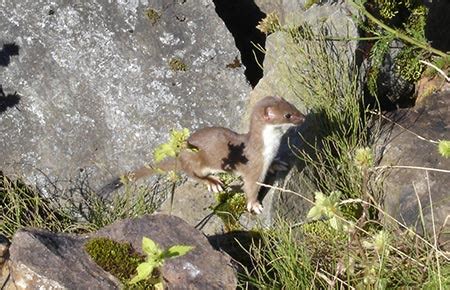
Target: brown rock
201,268
405,187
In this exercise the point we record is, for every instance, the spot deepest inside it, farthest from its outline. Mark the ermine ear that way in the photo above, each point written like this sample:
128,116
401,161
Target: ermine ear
269,114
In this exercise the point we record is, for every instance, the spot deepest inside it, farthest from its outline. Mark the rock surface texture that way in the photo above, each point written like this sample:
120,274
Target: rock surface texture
410,190
100,83
44,260
278,61
202,268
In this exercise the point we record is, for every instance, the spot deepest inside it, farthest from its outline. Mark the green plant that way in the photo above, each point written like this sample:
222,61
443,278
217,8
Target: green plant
444,148
177,142
269,24
441,63
134,201
230,204
72,211
401,20
309,3
156,257
282,262
24,206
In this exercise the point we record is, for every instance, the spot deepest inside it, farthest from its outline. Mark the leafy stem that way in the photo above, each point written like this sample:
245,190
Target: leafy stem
397,33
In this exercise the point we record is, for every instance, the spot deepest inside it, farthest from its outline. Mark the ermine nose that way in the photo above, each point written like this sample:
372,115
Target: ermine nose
298,119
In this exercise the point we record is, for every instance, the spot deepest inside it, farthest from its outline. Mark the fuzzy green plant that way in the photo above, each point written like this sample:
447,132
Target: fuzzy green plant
150,269
172,148
444,148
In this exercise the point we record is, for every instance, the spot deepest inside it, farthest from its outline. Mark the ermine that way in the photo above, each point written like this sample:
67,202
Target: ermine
220,149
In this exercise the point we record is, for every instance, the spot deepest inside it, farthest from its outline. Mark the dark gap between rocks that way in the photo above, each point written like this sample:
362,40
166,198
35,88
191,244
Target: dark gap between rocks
241,18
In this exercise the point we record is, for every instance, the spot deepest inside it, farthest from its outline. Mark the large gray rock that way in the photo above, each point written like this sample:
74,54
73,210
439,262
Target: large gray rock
288,11
192,202
96,87
408,191
43,260
281,59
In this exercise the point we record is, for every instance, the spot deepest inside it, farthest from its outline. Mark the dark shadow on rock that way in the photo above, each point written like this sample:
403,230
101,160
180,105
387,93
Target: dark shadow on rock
238,245
438,22
241,18
8,101
8,50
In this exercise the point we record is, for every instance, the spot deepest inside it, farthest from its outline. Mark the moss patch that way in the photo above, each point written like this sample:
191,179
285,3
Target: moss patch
230,204
152,15
177,64
119,259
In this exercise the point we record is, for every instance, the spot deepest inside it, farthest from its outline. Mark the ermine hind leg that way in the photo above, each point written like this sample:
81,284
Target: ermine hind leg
192,165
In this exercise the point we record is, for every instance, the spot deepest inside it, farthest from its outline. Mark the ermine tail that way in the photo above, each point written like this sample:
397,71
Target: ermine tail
167,164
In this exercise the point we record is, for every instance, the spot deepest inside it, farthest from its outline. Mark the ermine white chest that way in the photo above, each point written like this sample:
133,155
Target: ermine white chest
272,135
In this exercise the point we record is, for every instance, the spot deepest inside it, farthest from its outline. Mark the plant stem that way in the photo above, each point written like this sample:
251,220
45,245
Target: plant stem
396,32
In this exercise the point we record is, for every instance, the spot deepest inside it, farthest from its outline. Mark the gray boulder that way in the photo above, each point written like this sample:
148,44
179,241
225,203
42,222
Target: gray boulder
192,202
43,260
100,83
280,60
408,191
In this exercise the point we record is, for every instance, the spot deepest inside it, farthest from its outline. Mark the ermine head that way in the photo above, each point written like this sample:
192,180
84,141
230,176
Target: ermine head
277,111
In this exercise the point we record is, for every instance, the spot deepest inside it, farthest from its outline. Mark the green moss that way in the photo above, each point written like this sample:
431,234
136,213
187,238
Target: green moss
119,259
322,231
230,204
177,64
152,15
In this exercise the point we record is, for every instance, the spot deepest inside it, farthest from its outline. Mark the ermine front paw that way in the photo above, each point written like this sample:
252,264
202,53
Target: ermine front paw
254,206
278,165
214,184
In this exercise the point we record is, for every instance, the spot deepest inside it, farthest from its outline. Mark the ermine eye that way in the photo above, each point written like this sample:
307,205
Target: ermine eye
288,116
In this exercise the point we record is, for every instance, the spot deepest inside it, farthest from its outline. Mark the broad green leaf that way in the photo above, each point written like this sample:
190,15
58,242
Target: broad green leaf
144,270
320,197
314,213
150,248
176,251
